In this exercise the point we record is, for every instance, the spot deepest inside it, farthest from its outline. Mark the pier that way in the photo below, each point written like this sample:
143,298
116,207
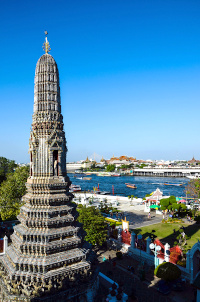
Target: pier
166,172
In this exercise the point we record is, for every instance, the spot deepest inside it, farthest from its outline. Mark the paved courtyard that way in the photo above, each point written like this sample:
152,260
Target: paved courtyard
145,291
140,219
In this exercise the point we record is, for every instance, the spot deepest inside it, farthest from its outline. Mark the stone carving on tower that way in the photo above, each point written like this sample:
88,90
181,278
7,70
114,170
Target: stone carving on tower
45,258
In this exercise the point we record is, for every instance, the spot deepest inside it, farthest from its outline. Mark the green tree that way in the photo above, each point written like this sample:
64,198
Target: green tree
93,224
110,168
11,191
169,204
164,203
183,207
6,166
193,188
124,166
167,271
93,166
176,207
172,199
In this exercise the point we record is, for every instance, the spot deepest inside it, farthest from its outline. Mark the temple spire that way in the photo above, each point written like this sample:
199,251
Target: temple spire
46,45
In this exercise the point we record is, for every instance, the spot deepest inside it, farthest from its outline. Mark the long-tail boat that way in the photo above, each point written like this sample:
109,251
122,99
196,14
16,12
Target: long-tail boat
132,186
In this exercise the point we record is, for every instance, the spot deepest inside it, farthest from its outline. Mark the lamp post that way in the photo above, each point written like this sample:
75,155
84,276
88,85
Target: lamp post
155,248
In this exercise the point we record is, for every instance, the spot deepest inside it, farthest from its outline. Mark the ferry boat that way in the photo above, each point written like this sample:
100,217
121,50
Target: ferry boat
177,185
196,176
132,186
74,188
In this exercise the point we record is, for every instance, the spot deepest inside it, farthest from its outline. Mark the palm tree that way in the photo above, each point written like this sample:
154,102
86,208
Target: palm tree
131,199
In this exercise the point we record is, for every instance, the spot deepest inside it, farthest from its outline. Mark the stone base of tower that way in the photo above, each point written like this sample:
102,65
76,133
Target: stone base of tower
78,293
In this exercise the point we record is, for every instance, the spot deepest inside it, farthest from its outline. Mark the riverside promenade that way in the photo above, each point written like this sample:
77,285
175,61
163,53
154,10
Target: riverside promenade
133,211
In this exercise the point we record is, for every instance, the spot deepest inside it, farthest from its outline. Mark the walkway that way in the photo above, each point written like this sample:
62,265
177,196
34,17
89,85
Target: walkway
138,220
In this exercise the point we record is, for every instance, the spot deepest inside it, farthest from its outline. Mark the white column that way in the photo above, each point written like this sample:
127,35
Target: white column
167,252
5,243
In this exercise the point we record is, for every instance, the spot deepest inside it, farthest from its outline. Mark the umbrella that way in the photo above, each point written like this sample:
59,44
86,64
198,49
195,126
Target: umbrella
182,200
154,206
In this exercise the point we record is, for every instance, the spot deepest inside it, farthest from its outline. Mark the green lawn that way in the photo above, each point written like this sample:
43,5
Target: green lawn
165,232
113,220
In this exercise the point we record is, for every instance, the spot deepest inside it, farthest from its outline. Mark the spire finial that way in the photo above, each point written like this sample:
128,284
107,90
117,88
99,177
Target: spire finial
46,45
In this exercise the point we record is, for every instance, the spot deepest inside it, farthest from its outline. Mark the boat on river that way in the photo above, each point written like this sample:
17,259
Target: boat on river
132,186
196,176
74,188
87,178
104,174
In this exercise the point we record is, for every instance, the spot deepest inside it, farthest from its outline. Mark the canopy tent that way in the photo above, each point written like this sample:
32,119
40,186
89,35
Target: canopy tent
154,206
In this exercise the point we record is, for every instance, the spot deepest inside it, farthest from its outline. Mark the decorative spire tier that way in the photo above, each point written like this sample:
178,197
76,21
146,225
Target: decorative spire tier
44,256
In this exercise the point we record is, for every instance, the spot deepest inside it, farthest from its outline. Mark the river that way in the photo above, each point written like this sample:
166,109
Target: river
145,185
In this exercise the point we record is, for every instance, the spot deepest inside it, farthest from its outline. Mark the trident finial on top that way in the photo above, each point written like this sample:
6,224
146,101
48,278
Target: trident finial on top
46,45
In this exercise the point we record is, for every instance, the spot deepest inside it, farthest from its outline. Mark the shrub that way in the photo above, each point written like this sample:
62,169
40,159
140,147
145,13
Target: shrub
197,219
119,255
167,271
183,207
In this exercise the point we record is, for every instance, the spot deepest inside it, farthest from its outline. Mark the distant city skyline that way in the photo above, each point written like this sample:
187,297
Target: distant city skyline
129,76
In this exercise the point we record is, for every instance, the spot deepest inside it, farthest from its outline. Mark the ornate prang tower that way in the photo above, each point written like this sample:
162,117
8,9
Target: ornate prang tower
44,261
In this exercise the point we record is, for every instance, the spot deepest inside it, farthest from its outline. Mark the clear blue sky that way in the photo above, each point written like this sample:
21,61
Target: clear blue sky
129,71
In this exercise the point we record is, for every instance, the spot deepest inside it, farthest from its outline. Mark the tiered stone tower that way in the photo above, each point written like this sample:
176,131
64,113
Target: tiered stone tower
44,261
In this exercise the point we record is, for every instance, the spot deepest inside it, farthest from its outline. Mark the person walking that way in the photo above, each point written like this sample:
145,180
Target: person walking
149,215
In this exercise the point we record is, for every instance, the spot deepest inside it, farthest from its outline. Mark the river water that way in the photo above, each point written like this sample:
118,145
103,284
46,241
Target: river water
145,185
